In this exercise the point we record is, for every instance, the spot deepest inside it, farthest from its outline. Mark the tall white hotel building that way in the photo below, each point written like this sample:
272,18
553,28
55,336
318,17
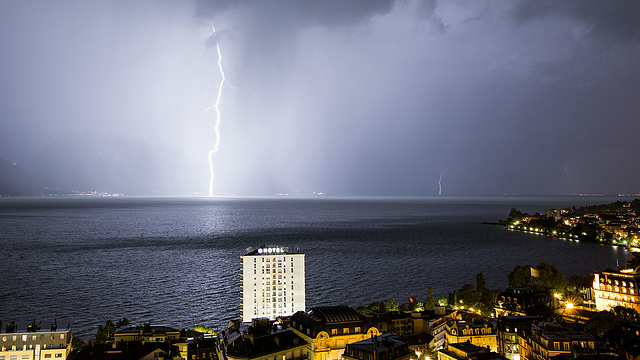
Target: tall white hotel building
272,282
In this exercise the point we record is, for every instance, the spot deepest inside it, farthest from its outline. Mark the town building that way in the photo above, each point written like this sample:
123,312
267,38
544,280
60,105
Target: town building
328,330
273,282
135,341
619,288
436,326
414,326
383,347
516,301
625,339
34,344
509,330
128,350
262,340
545,340
477,332
147,333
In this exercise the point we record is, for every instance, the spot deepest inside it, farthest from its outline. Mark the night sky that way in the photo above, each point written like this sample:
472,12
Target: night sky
353,97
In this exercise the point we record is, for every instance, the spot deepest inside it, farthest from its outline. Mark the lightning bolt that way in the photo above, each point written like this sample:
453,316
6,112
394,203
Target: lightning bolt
217,123
440,183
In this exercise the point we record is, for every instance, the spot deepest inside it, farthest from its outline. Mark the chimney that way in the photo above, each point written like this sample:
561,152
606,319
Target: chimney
32,327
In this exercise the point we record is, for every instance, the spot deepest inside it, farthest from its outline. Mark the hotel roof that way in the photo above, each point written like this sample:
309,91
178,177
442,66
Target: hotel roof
270,250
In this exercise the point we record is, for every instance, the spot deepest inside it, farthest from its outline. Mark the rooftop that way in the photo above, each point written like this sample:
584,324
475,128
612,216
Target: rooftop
270,250
379,343
335,314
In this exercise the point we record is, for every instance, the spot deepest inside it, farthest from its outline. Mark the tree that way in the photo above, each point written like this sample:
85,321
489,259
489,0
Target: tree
453,298
488,300
520,276
430,302
204,329
122,323
548,275
378,306
579,283
76,342
468,295
416,306
551,277
603,321
515,214
391,305
103,333
542,310
481,284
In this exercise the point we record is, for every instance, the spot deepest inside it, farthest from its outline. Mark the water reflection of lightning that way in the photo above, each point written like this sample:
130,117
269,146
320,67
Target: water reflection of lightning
217,123
440,183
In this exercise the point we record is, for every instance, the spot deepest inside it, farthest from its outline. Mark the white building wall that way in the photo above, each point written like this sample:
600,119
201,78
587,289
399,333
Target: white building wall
273,283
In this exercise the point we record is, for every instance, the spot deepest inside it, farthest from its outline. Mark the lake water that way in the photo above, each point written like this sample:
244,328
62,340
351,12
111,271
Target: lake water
176,261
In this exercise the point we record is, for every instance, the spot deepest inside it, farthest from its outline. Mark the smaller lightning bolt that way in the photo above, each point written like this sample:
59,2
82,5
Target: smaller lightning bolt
217,123
440,183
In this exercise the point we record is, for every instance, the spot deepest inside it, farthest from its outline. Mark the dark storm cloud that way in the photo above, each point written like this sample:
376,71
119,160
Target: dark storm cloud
605,22
302,13
346,97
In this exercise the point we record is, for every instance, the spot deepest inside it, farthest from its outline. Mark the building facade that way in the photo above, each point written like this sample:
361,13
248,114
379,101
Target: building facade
509,329
479,333
147,333
262,340
328,330
516,301
546,340
35,345
273,282
619,288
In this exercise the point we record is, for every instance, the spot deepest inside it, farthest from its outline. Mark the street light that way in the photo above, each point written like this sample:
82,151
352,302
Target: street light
569,306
